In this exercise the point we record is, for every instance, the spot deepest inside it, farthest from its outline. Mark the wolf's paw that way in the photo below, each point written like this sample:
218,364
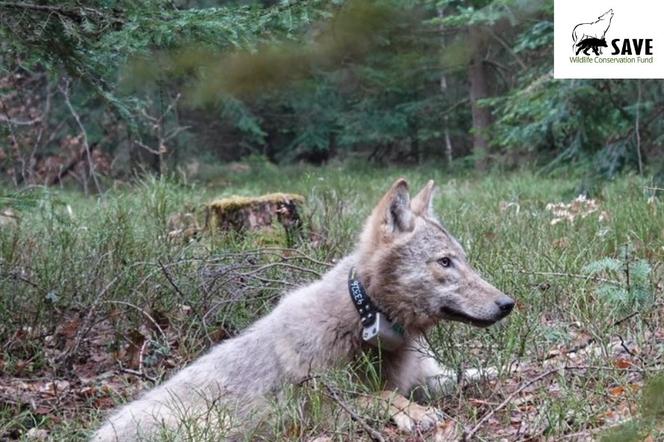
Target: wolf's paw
416,416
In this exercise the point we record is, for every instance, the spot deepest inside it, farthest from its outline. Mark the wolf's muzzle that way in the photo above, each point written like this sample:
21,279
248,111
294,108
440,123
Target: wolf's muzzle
505,305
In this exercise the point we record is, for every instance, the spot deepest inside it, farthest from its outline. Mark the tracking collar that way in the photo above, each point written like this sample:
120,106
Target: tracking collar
377,330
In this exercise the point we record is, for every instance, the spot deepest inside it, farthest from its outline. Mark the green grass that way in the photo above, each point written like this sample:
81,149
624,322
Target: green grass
81,278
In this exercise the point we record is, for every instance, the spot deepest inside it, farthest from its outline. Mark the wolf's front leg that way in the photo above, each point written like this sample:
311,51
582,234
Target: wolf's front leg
414,371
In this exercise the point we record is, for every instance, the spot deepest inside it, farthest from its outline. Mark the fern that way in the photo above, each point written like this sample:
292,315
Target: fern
603,265
624,281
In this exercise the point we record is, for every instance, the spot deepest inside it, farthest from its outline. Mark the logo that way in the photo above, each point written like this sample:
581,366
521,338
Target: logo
592,36
609,39
587,36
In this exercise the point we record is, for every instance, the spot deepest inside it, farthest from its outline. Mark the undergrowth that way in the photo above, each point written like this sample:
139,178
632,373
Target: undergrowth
97,296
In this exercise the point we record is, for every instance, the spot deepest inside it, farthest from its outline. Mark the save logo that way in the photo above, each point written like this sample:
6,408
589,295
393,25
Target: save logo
609,39
588,36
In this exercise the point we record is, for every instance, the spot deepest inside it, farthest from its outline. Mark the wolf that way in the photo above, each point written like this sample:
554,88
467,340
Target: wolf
594,44
413,272
595,30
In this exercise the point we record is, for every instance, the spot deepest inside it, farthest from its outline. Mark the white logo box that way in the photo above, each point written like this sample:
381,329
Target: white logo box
640,22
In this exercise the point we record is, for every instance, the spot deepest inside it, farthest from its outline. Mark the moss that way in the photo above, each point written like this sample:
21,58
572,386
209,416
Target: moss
239,202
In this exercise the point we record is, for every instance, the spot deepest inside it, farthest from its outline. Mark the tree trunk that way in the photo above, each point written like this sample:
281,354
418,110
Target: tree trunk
443,89
478,75
446,123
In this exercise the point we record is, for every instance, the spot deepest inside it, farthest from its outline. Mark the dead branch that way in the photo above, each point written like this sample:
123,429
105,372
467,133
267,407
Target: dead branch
373,433
171,281
467,435
139,374
34,121
283,265
69,167
146,314
162,137
571,275
84,133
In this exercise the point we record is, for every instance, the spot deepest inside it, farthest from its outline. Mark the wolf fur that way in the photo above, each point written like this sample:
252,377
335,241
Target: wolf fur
413,270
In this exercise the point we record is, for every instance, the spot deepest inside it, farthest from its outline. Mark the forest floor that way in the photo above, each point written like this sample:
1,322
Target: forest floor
103,296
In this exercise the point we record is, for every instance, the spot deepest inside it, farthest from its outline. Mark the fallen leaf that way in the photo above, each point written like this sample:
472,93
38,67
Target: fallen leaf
622,363
617,391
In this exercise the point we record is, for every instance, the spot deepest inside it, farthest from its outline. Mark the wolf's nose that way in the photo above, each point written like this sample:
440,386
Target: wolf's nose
505,305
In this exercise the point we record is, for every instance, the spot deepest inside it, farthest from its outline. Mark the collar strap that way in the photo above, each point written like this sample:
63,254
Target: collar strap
361,300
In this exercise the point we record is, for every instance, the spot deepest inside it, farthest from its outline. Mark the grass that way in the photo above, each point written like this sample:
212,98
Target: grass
98,301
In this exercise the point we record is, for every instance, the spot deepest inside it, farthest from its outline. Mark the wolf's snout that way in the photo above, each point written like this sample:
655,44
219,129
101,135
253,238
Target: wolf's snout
505,304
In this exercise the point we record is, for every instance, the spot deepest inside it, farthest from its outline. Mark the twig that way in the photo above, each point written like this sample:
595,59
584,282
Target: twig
4,119
277,251
157,124
46,8
18,277
590,341
281,264
69,168
84,133
138,373
375,434
625,318
467,435
170,280
76,13
508,48
571,275
146,314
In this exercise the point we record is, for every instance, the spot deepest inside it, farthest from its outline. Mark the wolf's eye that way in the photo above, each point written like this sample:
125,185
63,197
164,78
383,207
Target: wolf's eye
445,261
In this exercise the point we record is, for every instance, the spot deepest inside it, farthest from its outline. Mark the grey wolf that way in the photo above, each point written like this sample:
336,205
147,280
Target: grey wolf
413,270
595,30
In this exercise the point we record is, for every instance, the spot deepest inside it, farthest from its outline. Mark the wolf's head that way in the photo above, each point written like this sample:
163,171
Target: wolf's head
607,15
416,271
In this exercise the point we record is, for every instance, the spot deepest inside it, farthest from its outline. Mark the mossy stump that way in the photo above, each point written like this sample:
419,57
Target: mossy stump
240,213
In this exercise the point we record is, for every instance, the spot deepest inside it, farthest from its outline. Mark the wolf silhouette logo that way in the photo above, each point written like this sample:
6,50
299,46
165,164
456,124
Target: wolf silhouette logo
591,36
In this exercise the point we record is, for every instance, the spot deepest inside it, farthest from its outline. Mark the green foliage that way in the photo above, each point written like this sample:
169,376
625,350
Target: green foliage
309,80
626,280
629,432
20,199
652,401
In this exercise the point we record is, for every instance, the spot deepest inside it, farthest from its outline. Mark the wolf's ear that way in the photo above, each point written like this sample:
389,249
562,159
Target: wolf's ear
393,214
391,217
422,204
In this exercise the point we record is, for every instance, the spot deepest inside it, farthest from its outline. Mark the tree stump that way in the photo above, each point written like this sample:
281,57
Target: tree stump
241,213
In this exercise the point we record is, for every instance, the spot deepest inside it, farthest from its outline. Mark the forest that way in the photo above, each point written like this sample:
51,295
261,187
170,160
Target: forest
129,129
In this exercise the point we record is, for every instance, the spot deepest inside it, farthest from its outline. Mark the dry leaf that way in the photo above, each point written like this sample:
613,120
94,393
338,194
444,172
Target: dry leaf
617,391
622,363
